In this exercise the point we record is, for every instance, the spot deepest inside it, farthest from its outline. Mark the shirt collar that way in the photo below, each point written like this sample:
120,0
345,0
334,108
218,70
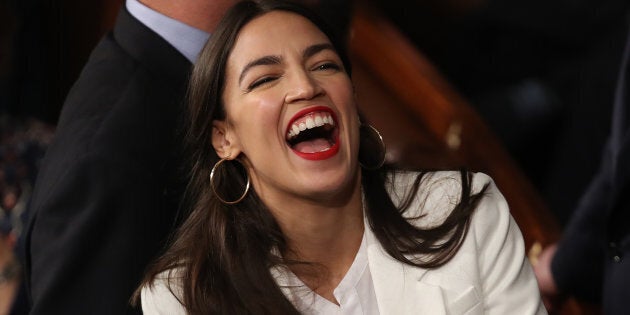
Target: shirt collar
186,39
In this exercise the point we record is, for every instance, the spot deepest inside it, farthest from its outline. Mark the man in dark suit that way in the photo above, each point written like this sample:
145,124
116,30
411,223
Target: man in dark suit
592,261
108,190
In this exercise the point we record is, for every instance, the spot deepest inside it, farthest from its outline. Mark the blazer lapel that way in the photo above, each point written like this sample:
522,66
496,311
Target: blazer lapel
399,288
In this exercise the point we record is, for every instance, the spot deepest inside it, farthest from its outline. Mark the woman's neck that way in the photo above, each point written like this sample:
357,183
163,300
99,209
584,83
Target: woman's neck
324,234
327,234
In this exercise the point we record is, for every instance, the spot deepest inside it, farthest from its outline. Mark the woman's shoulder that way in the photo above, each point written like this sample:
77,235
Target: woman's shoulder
492,257
445,181
491,224
163,295
438,192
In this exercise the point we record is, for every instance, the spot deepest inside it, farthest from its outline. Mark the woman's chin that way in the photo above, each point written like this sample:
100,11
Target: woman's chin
327,185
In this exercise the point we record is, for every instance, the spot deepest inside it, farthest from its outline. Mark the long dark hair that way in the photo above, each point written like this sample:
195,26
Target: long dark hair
223,253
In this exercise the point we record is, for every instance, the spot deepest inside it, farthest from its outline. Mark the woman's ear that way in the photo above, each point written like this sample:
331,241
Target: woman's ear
223,140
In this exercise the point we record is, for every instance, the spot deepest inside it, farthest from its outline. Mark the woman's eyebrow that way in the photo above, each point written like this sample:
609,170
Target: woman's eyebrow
274,60
314,49
262,61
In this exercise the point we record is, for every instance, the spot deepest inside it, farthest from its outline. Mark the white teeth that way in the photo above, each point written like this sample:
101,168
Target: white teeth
319,121
328,120
312,121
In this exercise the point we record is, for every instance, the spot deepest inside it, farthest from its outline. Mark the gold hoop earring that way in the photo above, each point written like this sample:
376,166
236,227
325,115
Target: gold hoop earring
371,148
212,172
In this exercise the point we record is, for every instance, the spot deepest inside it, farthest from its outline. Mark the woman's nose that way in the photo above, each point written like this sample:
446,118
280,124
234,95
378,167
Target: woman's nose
303,87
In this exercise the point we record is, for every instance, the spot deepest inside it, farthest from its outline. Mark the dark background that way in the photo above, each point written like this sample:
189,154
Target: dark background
541,73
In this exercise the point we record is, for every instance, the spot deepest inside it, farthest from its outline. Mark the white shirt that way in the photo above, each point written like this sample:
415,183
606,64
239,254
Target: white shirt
186,39
355,293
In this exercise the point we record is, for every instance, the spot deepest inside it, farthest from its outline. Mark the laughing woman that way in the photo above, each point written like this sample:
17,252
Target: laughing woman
290,211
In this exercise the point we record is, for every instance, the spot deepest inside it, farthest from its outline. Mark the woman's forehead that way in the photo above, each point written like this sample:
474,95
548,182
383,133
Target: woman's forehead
274,33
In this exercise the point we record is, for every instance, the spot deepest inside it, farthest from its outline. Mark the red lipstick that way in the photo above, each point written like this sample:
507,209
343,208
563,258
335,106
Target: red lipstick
309,120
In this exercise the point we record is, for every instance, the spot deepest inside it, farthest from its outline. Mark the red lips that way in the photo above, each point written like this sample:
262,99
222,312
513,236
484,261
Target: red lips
318,112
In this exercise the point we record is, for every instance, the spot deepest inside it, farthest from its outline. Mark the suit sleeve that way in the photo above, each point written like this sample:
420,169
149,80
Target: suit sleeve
107,192
577,266
508,282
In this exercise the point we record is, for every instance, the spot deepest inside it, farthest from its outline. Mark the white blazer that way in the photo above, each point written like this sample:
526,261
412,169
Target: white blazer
489,274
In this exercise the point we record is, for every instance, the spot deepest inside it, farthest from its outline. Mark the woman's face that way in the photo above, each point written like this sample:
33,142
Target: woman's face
290,110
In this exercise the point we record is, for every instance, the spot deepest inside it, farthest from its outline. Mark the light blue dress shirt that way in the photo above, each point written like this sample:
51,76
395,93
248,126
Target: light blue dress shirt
186,39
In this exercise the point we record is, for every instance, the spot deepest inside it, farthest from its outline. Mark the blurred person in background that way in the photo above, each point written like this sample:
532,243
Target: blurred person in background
12,298
592,260
108,190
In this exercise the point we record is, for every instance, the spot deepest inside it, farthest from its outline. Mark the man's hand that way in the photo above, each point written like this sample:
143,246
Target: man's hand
546,283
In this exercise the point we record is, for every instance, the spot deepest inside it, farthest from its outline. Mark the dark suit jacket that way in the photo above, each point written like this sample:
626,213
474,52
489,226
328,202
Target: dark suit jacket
593,258
107,193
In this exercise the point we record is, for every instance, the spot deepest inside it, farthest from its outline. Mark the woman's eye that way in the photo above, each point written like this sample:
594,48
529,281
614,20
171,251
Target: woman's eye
328,66
260,82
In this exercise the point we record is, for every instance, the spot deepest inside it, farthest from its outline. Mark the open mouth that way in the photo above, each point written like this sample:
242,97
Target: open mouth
313,134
